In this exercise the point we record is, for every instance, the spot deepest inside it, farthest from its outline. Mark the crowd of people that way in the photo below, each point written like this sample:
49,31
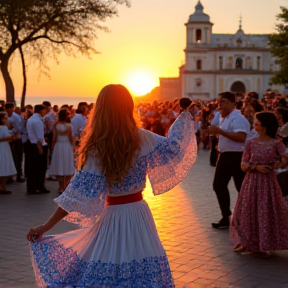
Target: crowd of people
159,115
61,126
46,136
248,141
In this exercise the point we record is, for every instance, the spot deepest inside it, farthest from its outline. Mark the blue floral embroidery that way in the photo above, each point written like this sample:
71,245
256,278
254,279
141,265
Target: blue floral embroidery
61,267
172,158
90,184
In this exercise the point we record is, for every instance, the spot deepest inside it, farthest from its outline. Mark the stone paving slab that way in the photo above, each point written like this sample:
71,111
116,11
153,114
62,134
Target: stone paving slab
199,255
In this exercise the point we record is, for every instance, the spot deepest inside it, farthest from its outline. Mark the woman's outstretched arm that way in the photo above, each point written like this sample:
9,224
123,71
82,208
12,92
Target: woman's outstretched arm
37,232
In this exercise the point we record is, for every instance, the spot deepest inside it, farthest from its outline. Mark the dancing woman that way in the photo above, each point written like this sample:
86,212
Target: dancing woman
118,245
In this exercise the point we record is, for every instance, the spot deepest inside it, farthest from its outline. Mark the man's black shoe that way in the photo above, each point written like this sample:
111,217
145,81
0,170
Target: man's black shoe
20,180
43,191
223,223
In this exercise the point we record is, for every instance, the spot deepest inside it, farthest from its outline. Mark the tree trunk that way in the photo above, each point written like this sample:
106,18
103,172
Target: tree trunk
10,91
24,78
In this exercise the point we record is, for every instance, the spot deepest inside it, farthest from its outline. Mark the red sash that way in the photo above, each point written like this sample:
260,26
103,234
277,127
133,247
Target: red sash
125,199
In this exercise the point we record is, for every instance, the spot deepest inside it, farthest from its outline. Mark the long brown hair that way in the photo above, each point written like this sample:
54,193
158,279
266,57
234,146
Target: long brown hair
111,133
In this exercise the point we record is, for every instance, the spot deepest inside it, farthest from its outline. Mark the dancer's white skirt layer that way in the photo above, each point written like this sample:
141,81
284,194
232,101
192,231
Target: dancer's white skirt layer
123,241
123,233
62,162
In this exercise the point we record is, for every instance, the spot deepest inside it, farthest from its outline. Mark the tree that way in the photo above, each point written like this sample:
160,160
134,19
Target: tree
46,28
24,77
279,47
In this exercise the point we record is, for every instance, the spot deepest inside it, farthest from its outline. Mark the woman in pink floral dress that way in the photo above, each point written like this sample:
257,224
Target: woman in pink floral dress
260,218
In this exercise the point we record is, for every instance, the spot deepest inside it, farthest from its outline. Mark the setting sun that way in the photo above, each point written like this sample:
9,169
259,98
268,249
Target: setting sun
140,83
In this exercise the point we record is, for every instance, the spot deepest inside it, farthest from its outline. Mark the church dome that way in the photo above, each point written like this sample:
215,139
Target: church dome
199,15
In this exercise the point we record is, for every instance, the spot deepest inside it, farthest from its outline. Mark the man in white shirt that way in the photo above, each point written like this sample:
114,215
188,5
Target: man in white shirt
37,152
232,130
79,121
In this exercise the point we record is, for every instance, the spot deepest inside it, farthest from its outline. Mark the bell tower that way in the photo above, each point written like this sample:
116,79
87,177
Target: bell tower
199,27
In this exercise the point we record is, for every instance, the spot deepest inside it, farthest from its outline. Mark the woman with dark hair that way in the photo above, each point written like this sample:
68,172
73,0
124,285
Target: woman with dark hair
62,162
260,218
7,167
120,246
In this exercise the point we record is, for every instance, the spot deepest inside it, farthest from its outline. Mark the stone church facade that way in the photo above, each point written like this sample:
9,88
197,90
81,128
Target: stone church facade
223,62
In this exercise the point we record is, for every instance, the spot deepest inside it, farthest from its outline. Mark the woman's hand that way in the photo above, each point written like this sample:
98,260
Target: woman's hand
35,234
264,168
245,167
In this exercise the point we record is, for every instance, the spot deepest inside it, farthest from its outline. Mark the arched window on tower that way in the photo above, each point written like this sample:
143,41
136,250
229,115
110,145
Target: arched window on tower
258,63
221,63
239,63
199,65
198,36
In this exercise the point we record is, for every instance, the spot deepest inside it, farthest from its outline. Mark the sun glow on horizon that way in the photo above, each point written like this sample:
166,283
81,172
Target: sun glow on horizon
140,83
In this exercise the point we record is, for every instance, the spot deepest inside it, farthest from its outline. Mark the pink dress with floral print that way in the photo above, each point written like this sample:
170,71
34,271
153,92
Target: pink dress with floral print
260,216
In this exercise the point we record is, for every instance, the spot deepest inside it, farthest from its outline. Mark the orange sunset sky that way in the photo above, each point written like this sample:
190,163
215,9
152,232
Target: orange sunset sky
145,42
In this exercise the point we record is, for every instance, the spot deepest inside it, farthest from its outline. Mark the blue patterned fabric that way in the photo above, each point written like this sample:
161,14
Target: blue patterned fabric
61,267
84,198
170,161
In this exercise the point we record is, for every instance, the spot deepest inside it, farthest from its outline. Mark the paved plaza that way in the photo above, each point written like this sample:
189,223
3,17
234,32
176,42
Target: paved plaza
199,256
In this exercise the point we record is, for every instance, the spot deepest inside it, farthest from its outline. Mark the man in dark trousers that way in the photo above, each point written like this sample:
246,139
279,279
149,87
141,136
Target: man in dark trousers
232,130
37,152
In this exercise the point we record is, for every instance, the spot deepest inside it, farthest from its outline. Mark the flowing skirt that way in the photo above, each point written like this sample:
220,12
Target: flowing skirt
62,162
122,249
260,217
7,167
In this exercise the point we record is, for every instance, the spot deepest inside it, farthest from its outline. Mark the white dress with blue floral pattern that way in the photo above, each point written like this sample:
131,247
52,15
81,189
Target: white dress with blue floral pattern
118,245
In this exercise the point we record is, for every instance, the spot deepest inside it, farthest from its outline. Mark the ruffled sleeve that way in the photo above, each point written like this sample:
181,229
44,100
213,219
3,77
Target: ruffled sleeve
84,198
172,157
